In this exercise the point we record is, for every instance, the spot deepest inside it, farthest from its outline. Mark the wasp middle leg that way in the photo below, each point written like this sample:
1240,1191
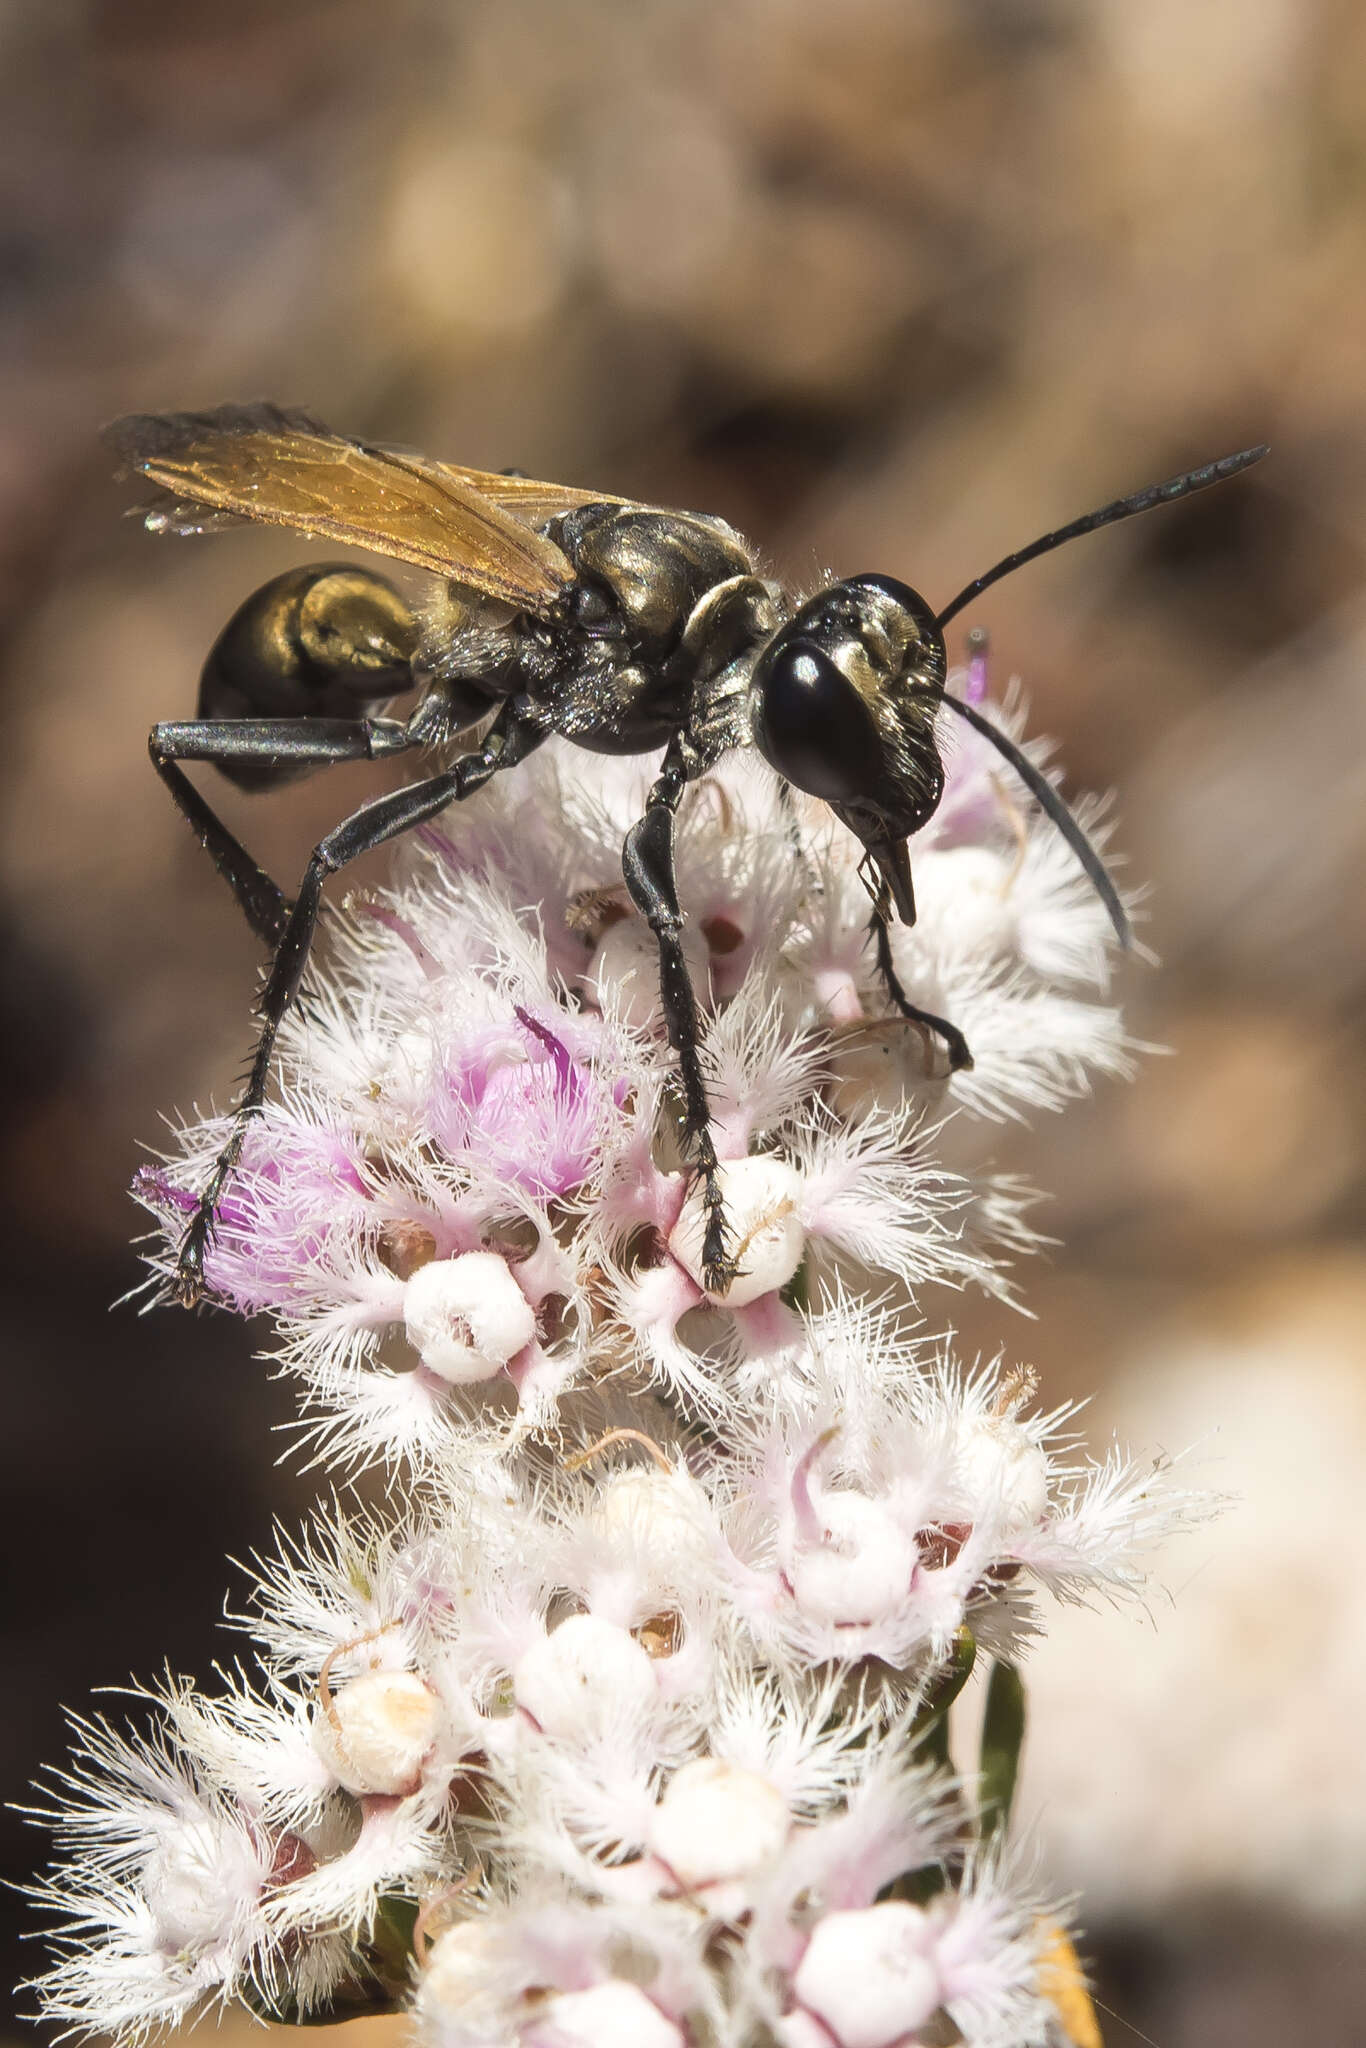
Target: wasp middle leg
386,817
647,861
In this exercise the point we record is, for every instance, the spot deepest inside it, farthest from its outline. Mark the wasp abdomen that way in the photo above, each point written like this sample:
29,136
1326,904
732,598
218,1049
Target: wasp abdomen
328,641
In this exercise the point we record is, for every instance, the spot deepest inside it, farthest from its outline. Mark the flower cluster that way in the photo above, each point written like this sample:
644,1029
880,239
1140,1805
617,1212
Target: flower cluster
628,1722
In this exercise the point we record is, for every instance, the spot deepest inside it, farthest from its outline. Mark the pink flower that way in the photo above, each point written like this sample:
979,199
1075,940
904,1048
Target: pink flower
526,1105
299,1194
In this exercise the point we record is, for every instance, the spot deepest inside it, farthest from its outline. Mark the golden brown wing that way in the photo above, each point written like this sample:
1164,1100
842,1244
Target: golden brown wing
259,462
524,496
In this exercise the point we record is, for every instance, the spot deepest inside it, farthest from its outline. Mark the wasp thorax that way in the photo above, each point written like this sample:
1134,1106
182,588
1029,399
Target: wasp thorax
657,566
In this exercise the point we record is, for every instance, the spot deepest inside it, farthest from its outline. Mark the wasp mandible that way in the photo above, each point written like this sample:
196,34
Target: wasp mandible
622,627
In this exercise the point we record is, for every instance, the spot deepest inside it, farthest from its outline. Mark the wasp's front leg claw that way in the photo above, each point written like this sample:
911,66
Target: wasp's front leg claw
187,1287
960,1057
956,1046
719,1269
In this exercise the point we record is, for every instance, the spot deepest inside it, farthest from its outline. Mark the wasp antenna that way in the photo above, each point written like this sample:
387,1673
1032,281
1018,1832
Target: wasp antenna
1122,508
1042,790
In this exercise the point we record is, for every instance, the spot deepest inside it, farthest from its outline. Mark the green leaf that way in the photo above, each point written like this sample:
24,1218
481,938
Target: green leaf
797,1293
930,1729
389,1950
1003,1727
916,1887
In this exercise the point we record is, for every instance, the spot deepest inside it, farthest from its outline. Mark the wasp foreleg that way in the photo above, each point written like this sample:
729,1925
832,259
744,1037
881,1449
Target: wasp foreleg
878,930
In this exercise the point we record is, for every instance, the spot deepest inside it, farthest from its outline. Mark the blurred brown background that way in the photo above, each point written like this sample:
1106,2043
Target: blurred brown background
891,284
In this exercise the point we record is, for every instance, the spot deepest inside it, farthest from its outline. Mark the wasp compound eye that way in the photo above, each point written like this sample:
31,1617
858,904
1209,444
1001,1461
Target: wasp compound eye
814,727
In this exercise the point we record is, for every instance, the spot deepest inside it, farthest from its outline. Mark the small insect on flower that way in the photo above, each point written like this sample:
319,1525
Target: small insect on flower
620,627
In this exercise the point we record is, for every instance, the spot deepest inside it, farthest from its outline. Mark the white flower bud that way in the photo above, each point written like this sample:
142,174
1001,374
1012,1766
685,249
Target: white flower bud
458,1966
1004,1470
381,1726
610,2015
765,1234
623,973
467,1317
584,1669
862,1566
661,1516
871,1975
716,1822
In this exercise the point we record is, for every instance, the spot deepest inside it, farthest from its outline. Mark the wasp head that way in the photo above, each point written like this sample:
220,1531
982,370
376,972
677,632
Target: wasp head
842,707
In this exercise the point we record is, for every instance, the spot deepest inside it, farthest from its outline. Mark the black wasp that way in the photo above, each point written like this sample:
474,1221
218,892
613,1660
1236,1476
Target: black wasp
621,627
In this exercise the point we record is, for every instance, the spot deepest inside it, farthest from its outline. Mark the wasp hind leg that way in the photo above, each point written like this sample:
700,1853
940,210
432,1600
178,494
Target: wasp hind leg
385,818
284,744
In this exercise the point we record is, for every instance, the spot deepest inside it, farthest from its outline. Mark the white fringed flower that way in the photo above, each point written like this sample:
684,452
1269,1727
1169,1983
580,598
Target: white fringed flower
554,1973
164,1886
871,1976
466,1318
376,1732
717,1822
623,1725
763,1198
583,1671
